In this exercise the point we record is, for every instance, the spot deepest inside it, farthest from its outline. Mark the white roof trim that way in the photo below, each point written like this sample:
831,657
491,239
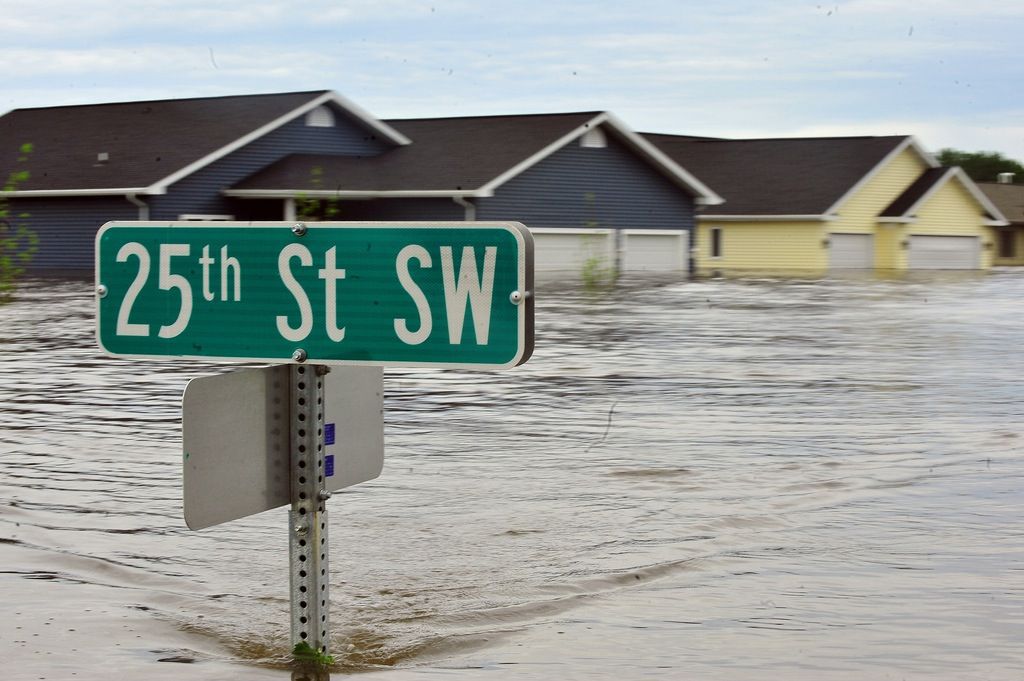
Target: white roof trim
911,142
765,218
912,210
703,194
43,193
967,184
328,97
347,193
980,196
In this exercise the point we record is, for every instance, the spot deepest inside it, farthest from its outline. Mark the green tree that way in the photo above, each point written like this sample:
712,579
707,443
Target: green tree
981,166
18,243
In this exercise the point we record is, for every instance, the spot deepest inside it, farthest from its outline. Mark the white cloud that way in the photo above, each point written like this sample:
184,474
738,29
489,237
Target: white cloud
935,9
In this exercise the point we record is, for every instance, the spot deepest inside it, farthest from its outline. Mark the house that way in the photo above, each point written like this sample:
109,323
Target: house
590,188
813,205
1009,198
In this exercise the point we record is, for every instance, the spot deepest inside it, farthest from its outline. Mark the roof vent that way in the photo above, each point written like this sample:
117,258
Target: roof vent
320,117
594,139
1005,178
102,157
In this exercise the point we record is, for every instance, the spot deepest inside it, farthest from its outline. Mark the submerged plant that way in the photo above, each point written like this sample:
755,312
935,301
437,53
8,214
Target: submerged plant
303,653
18,243
597,273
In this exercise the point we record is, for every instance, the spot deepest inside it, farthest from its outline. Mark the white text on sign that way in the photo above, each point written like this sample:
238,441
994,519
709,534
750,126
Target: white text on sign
474,284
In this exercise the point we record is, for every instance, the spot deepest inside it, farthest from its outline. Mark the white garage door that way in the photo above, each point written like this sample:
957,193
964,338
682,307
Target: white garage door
566,251
649,250
944,253
851,251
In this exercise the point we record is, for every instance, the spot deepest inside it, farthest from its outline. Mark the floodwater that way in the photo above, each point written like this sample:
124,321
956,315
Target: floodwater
721,479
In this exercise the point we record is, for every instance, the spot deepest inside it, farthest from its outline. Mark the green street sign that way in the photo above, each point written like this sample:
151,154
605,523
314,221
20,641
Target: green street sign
396,294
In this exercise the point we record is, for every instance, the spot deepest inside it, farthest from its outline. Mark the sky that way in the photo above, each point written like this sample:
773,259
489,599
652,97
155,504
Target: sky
947,71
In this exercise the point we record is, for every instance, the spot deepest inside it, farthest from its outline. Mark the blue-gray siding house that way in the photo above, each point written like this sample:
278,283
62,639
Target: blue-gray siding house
284,156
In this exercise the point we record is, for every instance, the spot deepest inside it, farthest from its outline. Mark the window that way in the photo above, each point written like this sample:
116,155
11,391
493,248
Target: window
1007,247
716,242
594,139
320,117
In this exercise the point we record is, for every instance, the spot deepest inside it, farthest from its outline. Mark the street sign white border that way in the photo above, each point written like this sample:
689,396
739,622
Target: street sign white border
524,284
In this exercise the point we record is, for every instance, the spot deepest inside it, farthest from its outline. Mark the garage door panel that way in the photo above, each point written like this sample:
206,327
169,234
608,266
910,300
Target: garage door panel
650,251
851,251
944,253
568,250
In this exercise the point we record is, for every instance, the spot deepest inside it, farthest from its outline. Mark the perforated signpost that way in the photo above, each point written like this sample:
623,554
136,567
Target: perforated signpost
303,297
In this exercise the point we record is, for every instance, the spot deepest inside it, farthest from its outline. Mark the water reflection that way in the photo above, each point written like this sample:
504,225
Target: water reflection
809,479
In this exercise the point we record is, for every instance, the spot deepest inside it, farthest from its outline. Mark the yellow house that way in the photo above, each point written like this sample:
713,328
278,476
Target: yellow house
814,205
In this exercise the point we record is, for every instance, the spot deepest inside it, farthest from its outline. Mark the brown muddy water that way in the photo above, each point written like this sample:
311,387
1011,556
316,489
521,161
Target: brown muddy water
726,479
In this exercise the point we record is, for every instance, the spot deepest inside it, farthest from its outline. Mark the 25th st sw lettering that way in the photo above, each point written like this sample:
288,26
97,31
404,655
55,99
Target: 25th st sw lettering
473,284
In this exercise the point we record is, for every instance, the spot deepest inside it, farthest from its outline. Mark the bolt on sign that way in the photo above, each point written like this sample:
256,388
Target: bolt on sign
396,294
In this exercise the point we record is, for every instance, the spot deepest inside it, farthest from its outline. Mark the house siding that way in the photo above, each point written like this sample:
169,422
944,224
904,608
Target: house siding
763,247
890,254
66,228
201,192
577,187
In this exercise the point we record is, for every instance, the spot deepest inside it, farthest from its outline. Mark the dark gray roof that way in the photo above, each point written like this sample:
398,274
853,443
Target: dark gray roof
798,176
446,154
145,141
921,186
1008,198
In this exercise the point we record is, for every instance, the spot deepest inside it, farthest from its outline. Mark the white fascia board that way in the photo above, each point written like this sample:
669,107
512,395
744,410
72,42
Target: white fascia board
46,193
369,119
654,232
967,183
328,97
347,194
765,218
936,186
704,195
979,196
910,142
571,230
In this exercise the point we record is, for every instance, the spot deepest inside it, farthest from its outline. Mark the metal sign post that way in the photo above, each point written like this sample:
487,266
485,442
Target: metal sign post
307,545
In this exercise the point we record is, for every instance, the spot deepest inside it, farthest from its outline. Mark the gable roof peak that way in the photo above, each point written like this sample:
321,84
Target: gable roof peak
930,181
157,142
